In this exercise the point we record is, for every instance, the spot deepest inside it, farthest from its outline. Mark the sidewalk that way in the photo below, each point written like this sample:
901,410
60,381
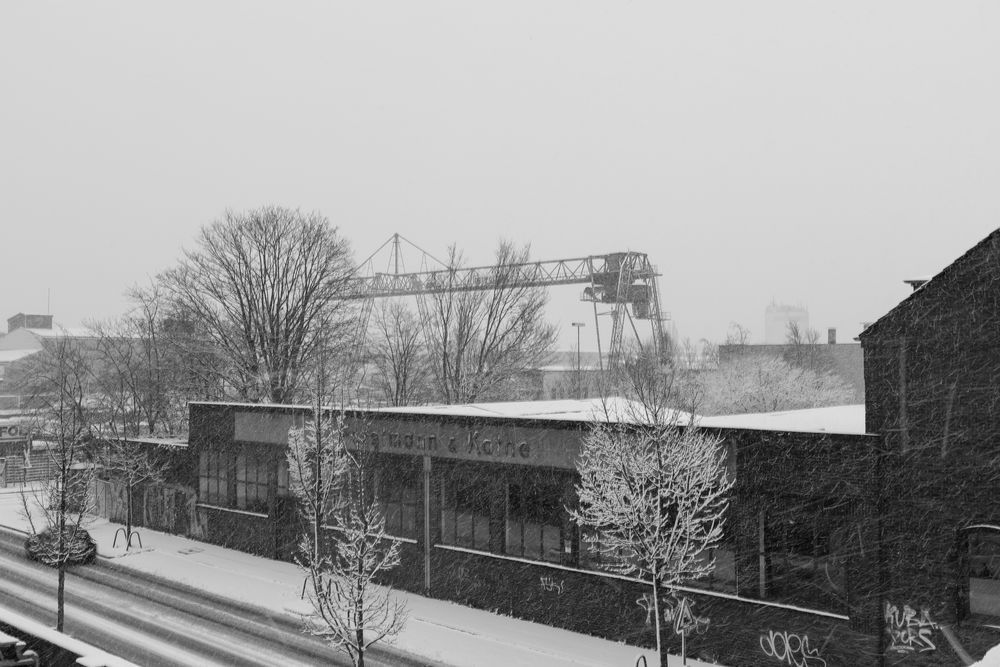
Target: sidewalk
436,629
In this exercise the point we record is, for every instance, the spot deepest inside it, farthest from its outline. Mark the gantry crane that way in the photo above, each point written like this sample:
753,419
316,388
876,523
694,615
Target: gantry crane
625,281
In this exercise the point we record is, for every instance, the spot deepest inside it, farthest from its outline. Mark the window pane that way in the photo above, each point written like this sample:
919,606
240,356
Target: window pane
282,476
550,543
392,518
984,572
535,510
482,537
463,537
514,546
447,526
409,527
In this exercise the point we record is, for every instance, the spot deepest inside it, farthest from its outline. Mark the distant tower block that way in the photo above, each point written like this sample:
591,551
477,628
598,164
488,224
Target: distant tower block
776,319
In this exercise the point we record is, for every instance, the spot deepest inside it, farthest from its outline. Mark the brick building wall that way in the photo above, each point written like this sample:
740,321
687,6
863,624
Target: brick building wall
800,520
932,371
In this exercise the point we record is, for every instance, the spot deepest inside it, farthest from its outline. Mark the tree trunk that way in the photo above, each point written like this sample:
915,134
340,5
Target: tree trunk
60,597
128,516
62,548
661,648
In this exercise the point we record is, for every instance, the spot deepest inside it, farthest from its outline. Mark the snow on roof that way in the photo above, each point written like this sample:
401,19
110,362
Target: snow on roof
7,356
160,441
568,369
844,419
849,419
613,408
63,332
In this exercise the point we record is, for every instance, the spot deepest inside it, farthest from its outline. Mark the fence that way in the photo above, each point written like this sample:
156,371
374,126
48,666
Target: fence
168,508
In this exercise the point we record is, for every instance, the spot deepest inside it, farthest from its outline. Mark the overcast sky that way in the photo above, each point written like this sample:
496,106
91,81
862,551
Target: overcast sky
804,152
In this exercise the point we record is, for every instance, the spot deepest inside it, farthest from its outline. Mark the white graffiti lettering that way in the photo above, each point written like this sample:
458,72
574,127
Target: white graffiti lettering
549,584
676,611
646,603
791,649
909,633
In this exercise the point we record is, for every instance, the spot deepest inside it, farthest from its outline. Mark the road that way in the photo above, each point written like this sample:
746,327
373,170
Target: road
153,624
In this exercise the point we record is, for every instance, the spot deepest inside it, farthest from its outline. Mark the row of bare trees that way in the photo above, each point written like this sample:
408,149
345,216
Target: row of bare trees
463,346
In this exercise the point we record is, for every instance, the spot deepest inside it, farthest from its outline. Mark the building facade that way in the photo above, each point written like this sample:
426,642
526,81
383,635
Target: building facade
479,505
932,372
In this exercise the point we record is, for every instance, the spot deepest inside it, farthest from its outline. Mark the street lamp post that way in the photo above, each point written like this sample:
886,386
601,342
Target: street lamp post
579,376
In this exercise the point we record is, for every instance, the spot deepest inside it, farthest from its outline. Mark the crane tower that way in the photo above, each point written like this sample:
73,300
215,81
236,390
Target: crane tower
623,281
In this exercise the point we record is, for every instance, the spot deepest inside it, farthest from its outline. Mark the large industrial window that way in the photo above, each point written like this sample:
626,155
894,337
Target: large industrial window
595,556
465,513
723,575
251,482
282,489
984,571
802,559
214,473
399,500
534,520
594,551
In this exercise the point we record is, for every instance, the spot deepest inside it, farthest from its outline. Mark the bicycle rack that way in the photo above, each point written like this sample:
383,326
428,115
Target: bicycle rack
127,538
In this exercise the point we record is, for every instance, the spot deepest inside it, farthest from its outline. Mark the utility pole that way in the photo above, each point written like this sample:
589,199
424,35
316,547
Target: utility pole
579,374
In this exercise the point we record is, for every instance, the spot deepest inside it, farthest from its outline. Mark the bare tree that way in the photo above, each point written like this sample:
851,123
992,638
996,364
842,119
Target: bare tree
260,284
316,468
59,381
398,354
480,342
349,609
652,502
135,374
657,390
802,346
761,383
130,394
737,334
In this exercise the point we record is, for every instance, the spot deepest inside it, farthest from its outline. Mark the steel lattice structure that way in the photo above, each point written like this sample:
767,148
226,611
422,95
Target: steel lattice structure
625,281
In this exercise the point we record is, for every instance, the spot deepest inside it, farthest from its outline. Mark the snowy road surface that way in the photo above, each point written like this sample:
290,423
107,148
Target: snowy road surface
138,621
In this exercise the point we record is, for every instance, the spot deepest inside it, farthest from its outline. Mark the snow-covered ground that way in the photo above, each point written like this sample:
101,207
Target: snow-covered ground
436,629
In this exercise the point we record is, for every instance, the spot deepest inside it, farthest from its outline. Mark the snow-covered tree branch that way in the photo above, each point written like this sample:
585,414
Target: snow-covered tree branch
652,503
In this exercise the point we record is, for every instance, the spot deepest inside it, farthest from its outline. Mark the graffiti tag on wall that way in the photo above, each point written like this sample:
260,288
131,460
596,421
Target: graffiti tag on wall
549,584
646,602
676,611
908,632
679,612
791,649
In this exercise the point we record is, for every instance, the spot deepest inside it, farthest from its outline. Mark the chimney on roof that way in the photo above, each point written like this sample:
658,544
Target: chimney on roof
831,336
22,321
916,283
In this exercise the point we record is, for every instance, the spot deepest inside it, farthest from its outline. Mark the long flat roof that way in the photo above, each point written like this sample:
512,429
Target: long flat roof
847,419
841,419
613,409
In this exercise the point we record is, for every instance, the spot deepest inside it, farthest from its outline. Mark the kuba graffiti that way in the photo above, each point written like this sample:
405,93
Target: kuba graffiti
790,649
908,632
